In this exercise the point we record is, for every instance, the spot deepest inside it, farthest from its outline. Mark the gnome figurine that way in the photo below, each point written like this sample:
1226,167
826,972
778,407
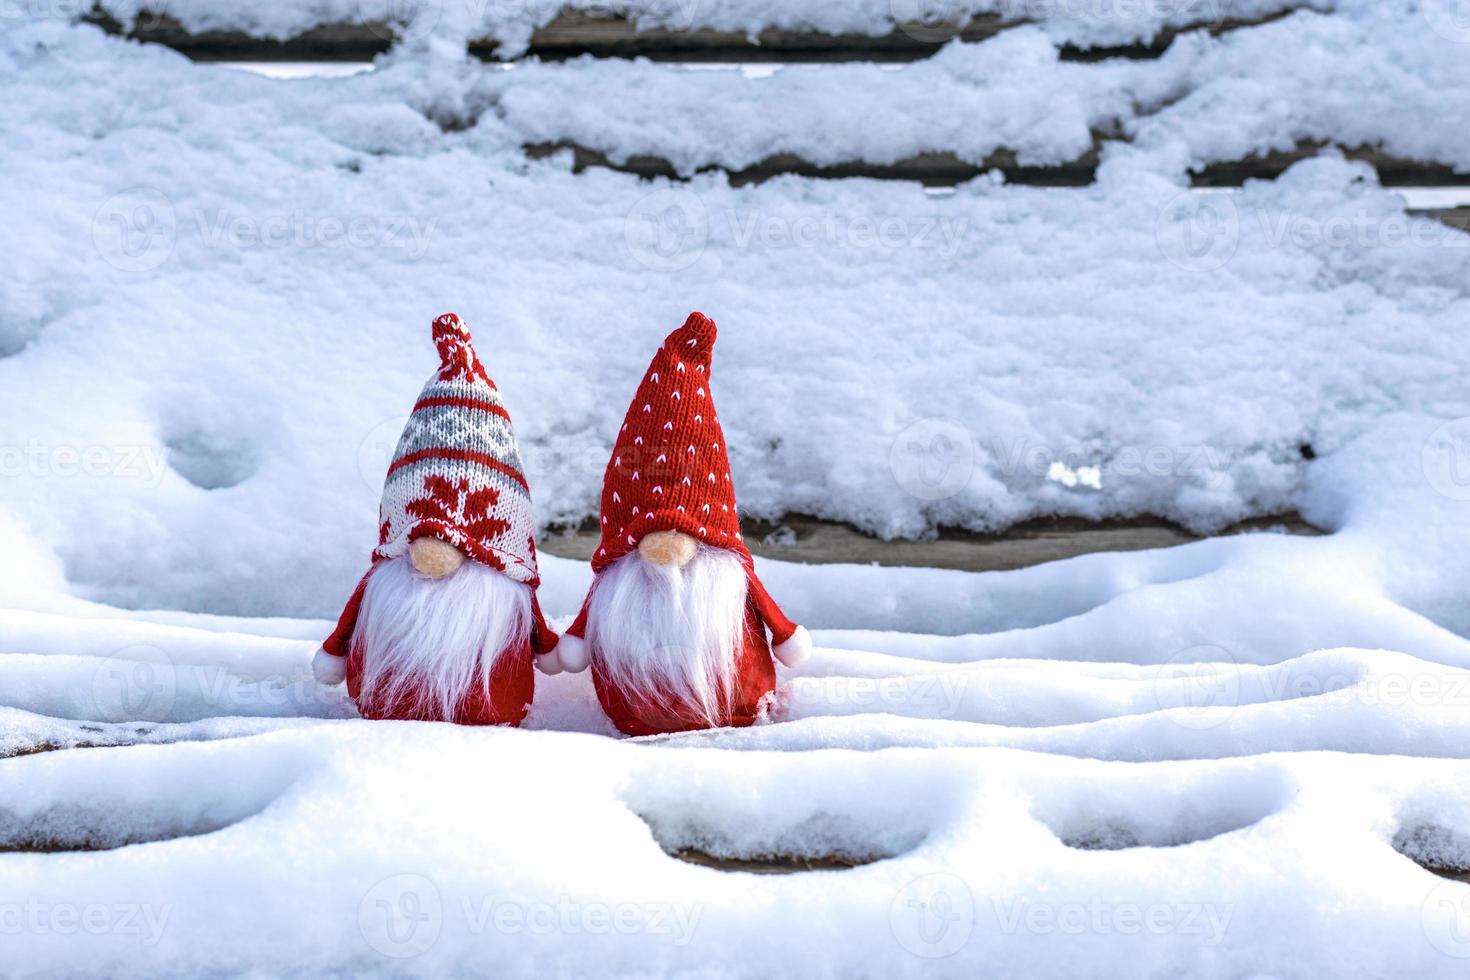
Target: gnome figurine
445,624
675,623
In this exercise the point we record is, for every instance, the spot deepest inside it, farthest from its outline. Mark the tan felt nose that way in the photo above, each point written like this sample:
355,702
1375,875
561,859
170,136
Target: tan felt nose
434,558
667,548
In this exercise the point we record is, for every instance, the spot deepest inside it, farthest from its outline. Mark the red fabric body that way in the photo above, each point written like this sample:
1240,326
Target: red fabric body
755,677
512,682
512,687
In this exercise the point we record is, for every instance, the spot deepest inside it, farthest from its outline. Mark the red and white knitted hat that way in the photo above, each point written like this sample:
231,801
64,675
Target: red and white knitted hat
669,469
456,476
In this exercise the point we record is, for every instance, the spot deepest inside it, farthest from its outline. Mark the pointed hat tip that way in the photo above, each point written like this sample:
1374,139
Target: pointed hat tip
695,340
450,335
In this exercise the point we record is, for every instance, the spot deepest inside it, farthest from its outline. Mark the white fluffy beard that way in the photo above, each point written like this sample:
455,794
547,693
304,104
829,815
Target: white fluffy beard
671,634
426,643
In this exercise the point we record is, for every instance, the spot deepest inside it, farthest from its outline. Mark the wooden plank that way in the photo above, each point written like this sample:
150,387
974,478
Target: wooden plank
1454,874
778,864
814,541
771,864
1392,170
1454,217
930,169
948,170
574,33
343,42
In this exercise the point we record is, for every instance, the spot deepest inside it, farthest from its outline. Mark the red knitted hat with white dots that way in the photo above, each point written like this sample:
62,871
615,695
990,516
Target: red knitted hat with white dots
669,470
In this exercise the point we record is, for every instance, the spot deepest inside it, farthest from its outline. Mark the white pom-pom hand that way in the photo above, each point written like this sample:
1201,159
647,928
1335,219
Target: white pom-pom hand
329,669
571,653
796,649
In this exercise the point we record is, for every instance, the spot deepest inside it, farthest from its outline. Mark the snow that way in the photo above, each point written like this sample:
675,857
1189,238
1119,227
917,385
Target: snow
513,23
339,220
1219,760
1206,100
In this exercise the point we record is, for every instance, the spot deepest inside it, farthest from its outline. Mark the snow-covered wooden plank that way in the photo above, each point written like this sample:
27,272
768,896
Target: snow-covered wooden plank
814,541
1454,217
573,33
948,170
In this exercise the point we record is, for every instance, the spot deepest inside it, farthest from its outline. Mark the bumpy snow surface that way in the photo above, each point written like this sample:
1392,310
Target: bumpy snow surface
1235,758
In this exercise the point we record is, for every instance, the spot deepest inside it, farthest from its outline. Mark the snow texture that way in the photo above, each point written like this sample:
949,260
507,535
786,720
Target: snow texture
1107,361
512,23
1234,758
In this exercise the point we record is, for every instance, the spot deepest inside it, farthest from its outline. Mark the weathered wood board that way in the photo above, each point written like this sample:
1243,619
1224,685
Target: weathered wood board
946,170
814,541
575,33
